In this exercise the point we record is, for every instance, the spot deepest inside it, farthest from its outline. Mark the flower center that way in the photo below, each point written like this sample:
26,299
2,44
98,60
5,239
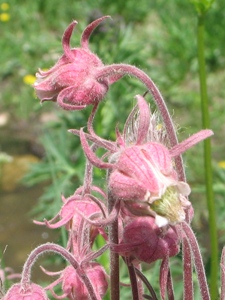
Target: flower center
169,206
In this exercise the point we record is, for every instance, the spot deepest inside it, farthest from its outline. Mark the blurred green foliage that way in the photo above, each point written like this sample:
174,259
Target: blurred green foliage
202,6
157,36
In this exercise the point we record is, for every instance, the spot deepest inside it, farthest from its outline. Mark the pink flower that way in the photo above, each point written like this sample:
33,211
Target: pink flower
71,212
71,82
144,241
30,292
143,175
78,214
74,288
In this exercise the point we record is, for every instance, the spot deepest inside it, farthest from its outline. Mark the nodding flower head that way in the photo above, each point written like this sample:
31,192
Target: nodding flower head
71,82
30,292
144,175
75,214
74,288
144,241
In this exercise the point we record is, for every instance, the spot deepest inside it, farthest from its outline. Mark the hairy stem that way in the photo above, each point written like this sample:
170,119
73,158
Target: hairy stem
199,267
49,247
114,257
147,283
188,270
125,69
133,282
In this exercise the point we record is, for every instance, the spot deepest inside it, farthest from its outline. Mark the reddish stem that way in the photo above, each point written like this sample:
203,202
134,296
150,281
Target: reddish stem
114,257
196,254
187,274
124,69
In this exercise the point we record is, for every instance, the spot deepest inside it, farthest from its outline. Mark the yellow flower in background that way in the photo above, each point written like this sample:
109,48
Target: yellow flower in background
221,164
4,17
29,79
4,6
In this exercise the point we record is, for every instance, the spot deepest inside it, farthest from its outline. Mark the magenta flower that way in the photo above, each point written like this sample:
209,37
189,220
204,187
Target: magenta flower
142,174
145,174
83,279
29,292
79,214
145,242
71,212
71,82
74,288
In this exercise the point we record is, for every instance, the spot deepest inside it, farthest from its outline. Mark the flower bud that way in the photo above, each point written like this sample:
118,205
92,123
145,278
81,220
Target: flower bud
146,242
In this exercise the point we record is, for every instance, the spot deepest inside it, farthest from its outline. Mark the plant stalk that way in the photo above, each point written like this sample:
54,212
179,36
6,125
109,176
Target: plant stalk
207,160
114,257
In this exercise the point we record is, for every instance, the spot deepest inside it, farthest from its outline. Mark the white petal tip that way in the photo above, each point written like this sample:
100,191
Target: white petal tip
161,221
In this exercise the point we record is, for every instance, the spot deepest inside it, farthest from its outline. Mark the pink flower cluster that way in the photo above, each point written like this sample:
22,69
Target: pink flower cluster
144,213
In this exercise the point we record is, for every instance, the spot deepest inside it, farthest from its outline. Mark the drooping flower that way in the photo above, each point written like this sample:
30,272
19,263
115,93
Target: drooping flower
83,277
144,241
71,212
78,214
74,288
142,174
71,82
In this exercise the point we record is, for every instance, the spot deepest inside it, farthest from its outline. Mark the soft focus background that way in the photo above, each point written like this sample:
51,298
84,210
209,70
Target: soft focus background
40,160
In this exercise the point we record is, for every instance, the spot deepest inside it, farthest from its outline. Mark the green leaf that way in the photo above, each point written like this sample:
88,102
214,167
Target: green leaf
202,6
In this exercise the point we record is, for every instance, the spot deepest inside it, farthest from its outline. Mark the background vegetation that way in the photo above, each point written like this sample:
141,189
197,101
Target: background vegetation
157,36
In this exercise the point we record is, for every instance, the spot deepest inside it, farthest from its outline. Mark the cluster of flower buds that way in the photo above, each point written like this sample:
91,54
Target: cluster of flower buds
140,215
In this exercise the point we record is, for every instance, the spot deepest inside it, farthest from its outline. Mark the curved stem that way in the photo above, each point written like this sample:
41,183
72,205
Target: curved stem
147,283
49,247
88,173
125,69
207,160
133,281
90,121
